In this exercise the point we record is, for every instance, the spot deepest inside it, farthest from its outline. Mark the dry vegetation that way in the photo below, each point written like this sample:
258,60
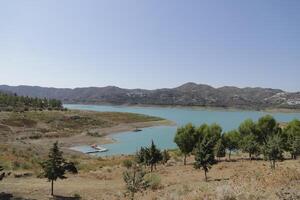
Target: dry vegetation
27,136
102,179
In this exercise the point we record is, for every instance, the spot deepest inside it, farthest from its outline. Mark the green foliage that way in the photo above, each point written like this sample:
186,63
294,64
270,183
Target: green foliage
185,139
249,137
56,166
232,139
250,145
273,149
292,137
135,181
220,148
127,163
12,102
165,156
204,155
153,180
267,126
215,133
149,156
248,127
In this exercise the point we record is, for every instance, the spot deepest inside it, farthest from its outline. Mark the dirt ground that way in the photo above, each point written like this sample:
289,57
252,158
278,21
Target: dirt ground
239,179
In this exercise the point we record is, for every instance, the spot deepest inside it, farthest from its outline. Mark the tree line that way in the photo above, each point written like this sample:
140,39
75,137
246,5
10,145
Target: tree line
13,102
265,137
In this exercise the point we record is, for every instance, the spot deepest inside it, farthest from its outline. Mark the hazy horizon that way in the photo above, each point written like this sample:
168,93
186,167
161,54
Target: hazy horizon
146,88
150,44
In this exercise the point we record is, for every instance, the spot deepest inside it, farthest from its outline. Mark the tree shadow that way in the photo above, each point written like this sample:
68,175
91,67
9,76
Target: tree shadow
8,196
5,196
57,197
218,179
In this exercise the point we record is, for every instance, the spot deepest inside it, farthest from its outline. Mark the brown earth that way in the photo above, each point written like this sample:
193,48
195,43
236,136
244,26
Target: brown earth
239,179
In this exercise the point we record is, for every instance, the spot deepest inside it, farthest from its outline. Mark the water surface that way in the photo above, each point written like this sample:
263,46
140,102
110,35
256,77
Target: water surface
130,142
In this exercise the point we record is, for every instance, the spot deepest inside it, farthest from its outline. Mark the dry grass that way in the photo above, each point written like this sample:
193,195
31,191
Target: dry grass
227,181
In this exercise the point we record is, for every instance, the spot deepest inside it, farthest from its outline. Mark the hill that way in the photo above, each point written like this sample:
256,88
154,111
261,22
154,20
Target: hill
13,102
189,94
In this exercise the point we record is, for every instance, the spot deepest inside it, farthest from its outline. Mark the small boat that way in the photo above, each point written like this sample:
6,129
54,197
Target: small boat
98,148
137,130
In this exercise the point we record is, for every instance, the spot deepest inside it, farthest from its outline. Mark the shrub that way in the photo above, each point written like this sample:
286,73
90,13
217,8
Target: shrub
225,192
77,196
127,163
153,180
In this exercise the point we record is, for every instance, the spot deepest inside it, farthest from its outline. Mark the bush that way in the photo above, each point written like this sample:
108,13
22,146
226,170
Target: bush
77,196
153,180
127,163
225,192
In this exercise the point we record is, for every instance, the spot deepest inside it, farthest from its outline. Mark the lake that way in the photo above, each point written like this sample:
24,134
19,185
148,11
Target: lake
130,142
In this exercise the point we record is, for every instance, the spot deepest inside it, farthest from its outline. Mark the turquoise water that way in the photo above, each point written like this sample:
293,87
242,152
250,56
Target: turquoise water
130,142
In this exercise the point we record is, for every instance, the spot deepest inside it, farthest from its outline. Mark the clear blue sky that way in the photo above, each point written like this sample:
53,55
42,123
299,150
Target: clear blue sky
150,43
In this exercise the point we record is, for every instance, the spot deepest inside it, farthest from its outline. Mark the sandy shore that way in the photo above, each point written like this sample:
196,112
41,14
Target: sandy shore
104,135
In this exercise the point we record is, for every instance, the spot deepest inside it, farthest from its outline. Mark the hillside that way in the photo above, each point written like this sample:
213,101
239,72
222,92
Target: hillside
189,94
13,102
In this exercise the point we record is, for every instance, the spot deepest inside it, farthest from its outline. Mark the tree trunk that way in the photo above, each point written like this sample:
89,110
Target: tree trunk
184,161
229,154
51,187
132,195
250,156
272,164
205,175
151,168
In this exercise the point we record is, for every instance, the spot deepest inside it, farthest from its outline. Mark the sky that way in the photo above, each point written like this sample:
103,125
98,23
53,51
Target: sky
150,44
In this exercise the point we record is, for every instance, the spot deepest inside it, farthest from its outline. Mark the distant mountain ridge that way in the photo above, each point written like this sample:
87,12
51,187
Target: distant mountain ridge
189,94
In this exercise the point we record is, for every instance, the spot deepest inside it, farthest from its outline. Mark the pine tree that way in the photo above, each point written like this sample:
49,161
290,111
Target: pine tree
273,149
250,145
204,155
232,140
155,156
56,166
292,135
220,148
185,139
149,156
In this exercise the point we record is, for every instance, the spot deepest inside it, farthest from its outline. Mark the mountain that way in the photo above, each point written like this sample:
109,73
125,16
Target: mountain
189,94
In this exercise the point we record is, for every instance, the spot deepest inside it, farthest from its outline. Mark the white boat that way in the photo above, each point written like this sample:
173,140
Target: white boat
99,148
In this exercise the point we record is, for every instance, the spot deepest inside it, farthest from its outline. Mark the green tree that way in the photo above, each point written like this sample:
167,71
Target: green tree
273,149
292,136
56,166
250,145
134,179
204,155
267,126
232,139
140,156
215,132
249,137
185,139
149,156
220,148
155,156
